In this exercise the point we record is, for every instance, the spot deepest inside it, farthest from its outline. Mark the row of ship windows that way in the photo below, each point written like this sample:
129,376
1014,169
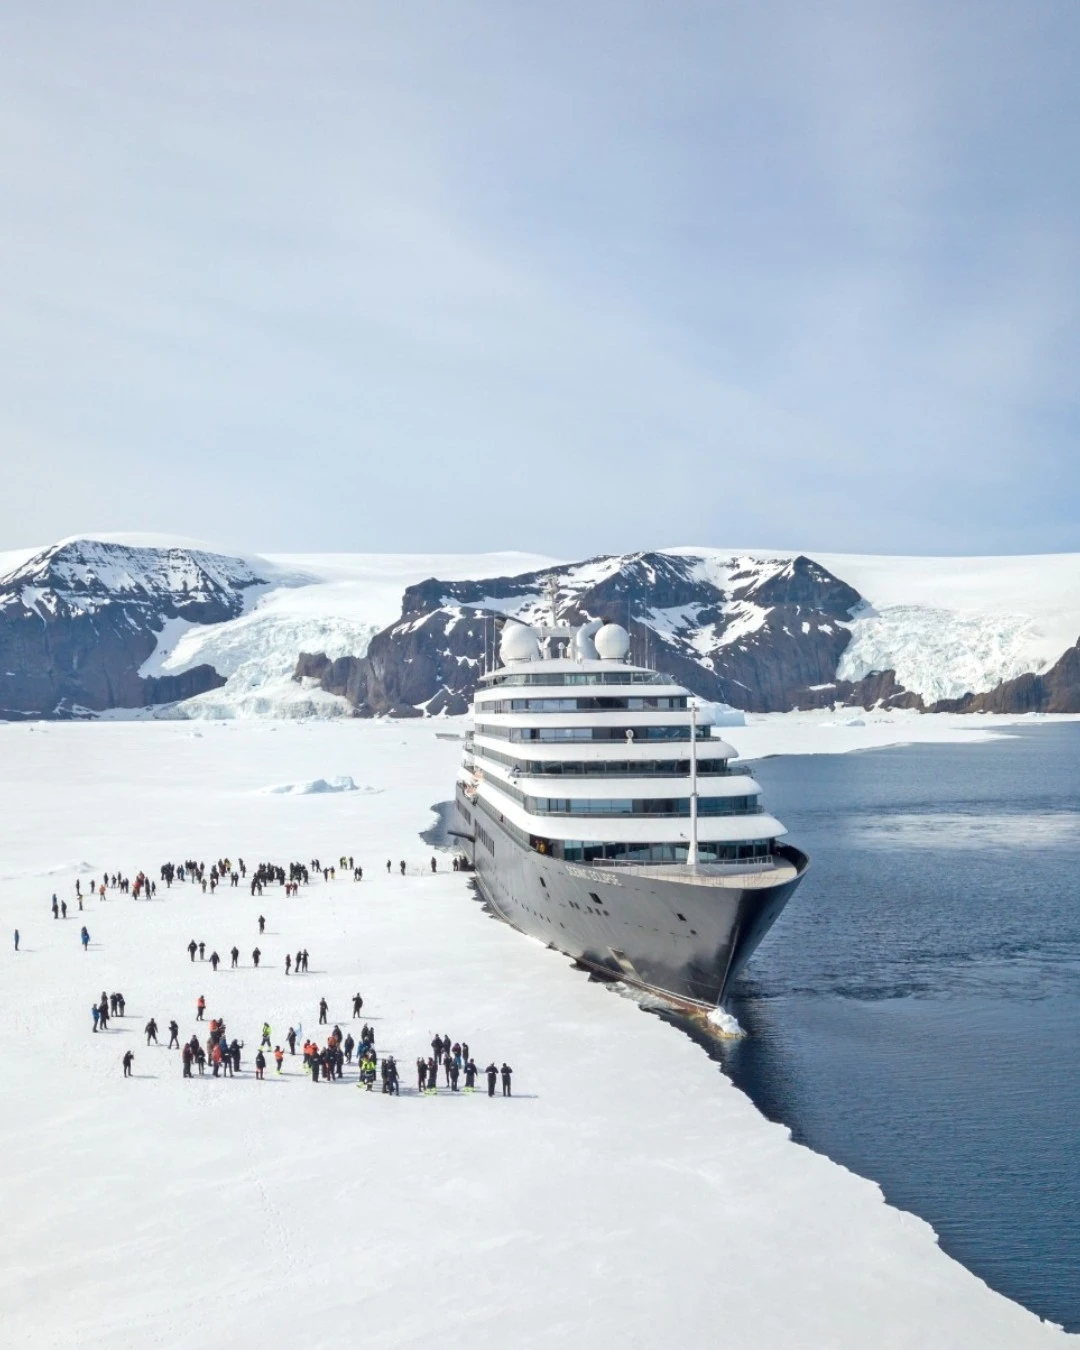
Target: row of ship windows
615,703
589,733
571,850
583,850
629,806
607,768
583,677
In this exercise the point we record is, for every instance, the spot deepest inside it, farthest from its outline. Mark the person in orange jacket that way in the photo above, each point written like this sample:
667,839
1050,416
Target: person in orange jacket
201,1007
279,1055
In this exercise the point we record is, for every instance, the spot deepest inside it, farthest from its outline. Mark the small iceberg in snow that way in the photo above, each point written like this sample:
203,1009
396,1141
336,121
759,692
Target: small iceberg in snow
318,785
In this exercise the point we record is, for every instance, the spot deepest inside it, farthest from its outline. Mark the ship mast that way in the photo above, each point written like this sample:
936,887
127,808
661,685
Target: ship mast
691,853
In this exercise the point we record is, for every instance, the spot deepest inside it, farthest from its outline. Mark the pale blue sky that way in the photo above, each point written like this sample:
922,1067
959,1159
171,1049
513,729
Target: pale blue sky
564,277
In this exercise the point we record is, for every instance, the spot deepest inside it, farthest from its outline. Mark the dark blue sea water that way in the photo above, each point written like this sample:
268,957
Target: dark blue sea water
915,1013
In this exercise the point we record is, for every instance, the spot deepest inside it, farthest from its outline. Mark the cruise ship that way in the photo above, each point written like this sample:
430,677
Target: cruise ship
602,815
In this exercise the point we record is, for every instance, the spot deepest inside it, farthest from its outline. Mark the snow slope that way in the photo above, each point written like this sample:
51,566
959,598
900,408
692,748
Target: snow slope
628,1195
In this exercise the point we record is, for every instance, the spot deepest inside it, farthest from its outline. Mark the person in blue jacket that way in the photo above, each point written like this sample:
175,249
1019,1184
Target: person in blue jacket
84,937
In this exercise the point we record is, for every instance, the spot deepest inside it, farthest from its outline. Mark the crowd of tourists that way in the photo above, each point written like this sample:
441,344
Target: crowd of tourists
340,1056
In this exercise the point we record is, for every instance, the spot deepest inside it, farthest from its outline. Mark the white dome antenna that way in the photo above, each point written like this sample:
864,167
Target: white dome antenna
519,643
612,642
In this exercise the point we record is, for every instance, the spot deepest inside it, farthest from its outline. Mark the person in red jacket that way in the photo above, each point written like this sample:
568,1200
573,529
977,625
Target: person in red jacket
201,1007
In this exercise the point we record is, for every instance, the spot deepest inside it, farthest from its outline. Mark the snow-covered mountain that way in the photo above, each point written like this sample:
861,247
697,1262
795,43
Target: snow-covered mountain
78,620
129,622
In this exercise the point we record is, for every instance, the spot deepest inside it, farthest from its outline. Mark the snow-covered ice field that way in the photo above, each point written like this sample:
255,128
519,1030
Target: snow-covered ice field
628,1195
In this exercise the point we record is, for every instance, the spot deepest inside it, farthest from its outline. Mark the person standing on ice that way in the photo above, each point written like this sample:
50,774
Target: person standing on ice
470,1075
304,959
192,947
255,957
186,1056
55,908
492,1075
265,1036
260,1064
63,909
151,1032
202,951
296,963
103,1010
389,865
200,1009
215,961
323,1005
128,1060
235,954
84,938
16,939
402,866
421,1073
288,962
174,1035
290,1036
262,925
279,1055
357,1004
506,1071
95,1013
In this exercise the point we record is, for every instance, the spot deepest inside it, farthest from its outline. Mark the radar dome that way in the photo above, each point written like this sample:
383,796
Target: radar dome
519,643
612,642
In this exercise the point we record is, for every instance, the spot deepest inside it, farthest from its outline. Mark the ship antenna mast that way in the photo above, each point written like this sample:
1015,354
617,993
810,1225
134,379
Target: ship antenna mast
691,854
552,588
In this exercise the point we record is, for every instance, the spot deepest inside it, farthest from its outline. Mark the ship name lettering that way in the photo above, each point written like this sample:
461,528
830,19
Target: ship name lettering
589,875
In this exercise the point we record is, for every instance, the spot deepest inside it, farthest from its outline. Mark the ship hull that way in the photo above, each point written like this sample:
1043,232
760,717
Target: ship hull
684,941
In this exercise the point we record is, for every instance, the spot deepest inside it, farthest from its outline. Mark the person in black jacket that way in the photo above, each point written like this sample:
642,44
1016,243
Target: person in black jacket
127,1062
151,1032
492,1076
470,1075
506,1071
174,1035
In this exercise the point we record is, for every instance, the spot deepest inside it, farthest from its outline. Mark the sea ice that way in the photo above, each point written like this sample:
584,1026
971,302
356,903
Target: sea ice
628,1194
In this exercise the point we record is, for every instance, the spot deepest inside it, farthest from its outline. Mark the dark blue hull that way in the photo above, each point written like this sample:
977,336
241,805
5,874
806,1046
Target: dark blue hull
682,939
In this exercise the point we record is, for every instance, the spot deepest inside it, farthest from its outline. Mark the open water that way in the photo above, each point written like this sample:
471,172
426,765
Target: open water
915,1013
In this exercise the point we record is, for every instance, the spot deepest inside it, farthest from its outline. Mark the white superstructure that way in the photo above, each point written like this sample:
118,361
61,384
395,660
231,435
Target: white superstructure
592,760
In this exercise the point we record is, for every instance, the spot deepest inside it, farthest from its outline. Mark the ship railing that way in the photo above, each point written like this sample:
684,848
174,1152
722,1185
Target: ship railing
726,865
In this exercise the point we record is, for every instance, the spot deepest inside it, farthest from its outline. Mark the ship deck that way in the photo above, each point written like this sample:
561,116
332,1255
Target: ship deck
708,874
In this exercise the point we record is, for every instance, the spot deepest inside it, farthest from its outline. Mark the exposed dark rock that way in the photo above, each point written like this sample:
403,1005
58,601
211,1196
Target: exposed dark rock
78,620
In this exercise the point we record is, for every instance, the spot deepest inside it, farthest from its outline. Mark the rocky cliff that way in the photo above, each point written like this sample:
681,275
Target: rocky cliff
79,620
